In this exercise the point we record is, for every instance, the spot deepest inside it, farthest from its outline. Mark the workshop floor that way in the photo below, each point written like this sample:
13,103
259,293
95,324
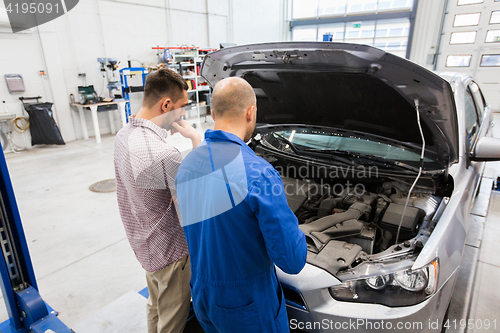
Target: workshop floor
86,270
80,253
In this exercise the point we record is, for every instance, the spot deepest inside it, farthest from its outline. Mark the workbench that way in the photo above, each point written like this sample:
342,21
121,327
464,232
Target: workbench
95,121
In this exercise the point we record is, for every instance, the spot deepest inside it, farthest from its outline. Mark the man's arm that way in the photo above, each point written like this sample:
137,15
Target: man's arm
285,242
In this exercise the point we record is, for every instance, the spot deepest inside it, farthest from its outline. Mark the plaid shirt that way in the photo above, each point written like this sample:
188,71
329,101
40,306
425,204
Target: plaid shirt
145,168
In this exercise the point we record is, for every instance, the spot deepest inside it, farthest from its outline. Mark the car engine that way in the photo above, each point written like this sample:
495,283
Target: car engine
345,226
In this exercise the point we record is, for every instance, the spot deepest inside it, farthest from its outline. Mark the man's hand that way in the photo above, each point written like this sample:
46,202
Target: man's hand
187,131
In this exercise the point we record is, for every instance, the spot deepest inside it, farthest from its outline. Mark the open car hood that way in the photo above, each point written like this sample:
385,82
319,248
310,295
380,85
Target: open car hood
348,88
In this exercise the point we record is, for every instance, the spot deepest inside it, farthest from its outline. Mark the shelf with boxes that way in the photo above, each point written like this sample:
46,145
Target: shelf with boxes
187,62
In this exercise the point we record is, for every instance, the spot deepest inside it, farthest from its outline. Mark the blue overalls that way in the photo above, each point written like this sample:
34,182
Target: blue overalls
238,225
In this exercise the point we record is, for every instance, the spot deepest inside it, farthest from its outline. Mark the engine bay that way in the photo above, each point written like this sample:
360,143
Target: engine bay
351,220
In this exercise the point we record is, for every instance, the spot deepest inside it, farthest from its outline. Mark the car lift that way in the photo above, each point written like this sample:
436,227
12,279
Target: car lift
26,308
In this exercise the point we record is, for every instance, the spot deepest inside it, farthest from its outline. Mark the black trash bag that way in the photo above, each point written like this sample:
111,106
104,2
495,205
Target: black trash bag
43,128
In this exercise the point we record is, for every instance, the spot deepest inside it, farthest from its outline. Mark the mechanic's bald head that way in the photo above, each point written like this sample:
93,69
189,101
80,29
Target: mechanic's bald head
231,98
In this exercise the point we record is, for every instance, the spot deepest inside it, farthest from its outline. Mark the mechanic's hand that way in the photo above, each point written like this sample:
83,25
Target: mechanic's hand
184,128
187,131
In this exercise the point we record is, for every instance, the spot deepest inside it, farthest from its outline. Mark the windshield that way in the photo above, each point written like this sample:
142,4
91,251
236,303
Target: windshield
329,143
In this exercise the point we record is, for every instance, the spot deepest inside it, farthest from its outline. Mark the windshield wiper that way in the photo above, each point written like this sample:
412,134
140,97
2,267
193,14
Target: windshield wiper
288,142
371,158
312,152
338,153
344,156
332,151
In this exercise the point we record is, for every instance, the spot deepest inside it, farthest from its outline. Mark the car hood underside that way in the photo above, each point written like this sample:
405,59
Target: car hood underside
349,89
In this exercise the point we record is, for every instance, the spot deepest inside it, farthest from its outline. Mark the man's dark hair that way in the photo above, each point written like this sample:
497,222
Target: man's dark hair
163,83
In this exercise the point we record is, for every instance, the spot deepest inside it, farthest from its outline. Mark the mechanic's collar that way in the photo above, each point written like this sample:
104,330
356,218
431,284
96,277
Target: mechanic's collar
140,122
222,135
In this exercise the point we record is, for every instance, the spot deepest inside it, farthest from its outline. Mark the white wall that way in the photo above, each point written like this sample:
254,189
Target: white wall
21,54
427,31
488,78
258,21
123,29
428,37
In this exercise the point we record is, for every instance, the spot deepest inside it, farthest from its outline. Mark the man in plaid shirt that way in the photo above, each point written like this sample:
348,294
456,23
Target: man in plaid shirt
145,168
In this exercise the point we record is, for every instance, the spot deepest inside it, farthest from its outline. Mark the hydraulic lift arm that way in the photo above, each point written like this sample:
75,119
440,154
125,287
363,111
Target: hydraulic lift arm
27,310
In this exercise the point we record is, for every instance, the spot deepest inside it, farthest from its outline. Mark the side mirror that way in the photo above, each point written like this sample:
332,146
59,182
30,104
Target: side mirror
487,149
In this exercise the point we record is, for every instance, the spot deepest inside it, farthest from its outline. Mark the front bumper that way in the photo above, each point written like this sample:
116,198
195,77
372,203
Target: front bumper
335,316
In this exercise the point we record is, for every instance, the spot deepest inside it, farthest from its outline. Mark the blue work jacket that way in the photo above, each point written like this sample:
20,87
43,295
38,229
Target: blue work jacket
238,225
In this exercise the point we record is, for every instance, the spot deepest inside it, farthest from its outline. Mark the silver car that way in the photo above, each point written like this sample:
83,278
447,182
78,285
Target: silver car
381,161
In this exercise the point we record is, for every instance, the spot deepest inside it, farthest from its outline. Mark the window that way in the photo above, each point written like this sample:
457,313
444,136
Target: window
392,36
336,30
370,7
493,36
311,20
353,34
470,116
463,37
490,60
402,4
391,28
360,31
384,5
355,8
367,33
382,32
388,5
469,2
332,7
458,60
361,6
394,45
464,20
396,32
327,8
495,17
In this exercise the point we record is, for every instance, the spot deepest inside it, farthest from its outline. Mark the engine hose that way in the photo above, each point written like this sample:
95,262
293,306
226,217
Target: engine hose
311,219
23,127
386,239
326,207
348,200
376,226
309,207
312,205
306,215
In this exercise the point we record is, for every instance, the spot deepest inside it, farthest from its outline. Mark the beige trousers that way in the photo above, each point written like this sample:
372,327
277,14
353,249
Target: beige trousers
169,297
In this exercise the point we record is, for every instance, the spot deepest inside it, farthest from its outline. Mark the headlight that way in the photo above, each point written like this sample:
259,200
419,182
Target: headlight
412,280
402,288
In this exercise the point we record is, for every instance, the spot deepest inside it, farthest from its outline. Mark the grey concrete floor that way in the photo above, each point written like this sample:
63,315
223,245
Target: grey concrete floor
80,253
84,264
